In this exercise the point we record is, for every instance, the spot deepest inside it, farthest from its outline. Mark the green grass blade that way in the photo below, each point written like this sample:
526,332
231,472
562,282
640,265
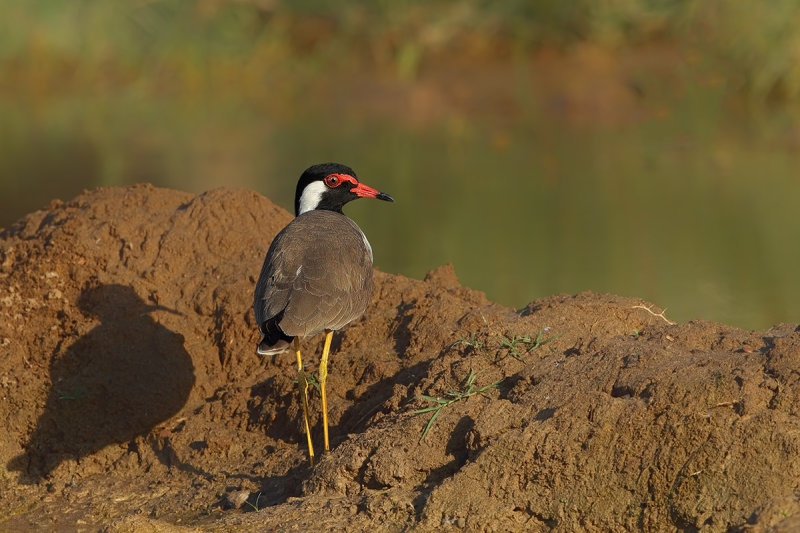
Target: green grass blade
427,409
432,398
541,342
430,423
487,387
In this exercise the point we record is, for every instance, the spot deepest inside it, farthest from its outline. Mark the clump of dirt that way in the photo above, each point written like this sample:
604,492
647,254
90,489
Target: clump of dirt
133,396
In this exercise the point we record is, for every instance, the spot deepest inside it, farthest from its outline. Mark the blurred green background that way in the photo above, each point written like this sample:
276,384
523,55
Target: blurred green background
642,147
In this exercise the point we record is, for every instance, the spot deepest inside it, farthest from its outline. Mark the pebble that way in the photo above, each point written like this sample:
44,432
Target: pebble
54,294
237,498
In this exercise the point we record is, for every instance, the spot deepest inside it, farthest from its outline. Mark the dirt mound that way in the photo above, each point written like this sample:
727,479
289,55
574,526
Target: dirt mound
134,399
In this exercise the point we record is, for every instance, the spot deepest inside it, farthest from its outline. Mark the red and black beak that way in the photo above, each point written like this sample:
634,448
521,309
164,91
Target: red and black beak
365,191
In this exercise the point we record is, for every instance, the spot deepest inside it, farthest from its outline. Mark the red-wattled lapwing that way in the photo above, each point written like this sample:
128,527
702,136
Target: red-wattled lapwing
317,275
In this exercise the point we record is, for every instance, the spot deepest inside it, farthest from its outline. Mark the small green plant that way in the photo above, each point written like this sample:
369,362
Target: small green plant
468,389
540,340
532,343
312,378
512,344
472,341
254,506
79,393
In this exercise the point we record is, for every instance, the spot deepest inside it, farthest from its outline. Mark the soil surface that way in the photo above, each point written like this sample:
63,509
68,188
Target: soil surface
134,400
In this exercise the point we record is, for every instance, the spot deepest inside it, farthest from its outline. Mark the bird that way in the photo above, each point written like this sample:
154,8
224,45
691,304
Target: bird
317,274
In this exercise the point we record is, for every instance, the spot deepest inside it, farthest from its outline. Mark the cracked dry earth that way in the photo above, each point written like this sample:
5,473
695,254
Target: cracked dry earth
133,399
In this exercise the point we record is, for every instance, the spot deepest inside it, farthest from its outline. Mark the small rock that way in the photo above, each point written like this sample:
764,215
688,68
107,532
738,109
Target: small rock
237,498
54,294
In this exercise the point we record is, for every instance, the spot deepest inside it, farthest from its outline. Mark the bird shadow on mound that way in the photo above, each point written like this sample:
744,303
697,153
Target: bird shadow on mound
113,384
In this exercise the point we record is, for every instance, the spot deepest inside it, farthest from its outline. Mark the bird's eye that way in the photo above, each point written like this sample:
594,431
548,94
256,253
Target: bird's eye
332,180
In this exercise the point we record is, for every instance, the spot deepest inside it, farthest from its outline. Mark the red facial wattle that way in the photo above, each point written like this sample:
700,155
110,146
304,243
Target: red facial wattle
359,189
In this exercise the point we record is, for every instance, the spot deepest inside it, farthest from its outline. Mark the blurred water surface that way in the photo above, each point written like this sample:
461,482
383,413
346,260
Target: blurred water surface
530,188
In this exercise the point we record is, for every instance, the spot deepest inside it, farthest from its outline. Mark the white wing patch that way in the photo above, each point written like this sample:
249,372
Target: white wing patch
369,248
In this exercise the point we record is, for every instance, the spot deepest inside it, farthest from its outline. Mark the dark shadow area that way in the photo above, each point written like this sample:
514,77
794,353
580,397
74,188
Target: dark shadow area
274,406
166,454
372,401
277,489
402,332
506,386
114,384
545,414
275,403
457,447
274,490
355,418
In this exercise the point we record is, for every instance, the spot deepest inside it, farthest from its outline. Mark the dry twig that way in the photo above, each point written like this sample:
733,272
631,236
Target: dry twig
660,315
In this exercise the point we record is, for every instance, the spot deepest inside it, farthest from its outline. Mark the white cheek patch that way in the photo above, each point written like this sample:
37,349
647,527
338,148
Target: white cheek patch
312,196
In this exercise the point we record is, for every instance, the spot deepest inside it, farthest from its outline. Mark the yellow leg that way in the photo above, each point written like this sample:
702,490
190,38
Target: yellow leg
302,383
323,377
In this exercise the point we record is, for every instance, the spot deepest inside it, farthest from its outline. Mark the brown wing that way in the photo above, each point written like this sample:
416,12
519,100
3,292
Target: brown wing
318,272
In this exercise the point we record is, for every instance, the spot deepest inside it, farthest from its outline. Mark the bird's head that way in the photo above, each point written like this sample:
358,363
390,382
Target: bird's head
329,186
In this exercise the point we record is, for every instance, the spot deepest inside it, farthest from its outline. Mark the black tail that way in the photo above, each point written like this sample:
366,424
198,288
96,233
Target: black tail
275,341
